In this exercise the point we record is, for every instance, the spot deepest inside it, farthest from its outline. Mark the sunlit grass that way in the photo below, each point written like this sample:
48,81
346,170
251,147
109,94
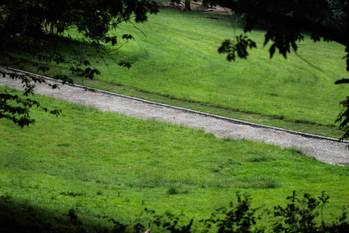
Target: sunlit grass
104,164
174,60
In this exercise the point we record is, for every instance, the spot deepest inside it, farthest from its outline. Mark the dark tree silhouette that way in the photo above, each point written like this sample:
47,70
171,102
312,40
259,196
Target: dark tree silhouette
26,24
286,23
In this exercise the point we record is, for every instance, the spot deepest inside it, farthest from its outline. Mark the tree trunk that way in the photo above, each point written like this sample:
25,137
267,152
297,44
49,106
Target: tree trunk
187,5
205,3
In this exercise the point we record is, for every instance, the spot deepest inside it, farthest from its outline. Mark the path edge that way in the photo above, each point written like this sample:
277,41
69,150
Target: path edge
236,121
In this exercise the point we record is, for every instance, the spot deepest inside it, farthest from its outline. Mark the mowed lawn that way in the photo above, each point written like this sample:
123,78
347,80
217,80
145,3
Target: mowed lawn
175,60
178,57
104,164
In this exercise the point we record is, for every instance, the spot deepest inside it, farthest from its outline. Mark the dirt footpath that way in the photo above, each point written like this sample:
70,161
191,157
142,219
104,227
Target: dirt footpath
327,151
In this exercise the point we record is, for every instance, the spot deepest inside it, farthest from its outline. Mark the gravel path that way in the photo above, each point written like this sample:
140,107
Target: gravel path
328,151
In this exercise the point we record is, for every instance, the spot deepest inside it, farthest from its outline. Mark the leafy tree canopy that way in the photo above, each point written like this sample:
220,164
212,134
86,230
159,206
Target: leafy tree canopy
26,24
94,18
286,23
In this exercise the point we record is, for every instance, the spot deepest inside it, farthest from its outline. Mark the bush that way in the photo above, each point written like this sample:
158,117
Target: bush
299,215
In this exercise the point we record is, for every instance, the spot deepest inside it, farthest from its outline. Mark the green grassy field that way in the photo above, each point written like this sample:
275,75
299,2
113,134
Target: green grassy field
175,61
104,164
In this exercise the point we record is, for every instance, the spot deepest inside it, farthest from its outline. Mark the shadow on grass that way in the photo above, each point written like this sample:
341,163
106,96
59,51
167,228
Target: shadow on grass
20,217
300,214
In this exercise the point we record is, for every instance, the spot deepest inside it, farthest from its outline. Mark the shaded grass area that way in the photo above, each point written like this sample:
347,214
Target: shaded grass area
174,60
104,164
24,218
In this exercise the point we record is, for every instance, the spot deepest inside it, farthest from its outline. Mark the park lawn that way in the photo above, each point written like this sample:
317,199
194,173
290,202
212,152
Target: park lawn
175,61
105,164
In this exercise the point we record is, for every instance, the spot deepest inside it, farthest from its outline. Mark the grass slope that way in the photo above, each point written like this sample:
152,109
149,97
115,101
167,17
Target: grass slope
105,164
179,57
175,61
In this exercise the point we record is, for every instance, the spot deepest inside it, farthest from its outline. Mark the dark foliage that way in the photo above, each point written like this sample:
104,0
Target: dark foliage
286,23
239,218
35,25
343,118
238,48
93,18
169,222
299,215
16,108
84,69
